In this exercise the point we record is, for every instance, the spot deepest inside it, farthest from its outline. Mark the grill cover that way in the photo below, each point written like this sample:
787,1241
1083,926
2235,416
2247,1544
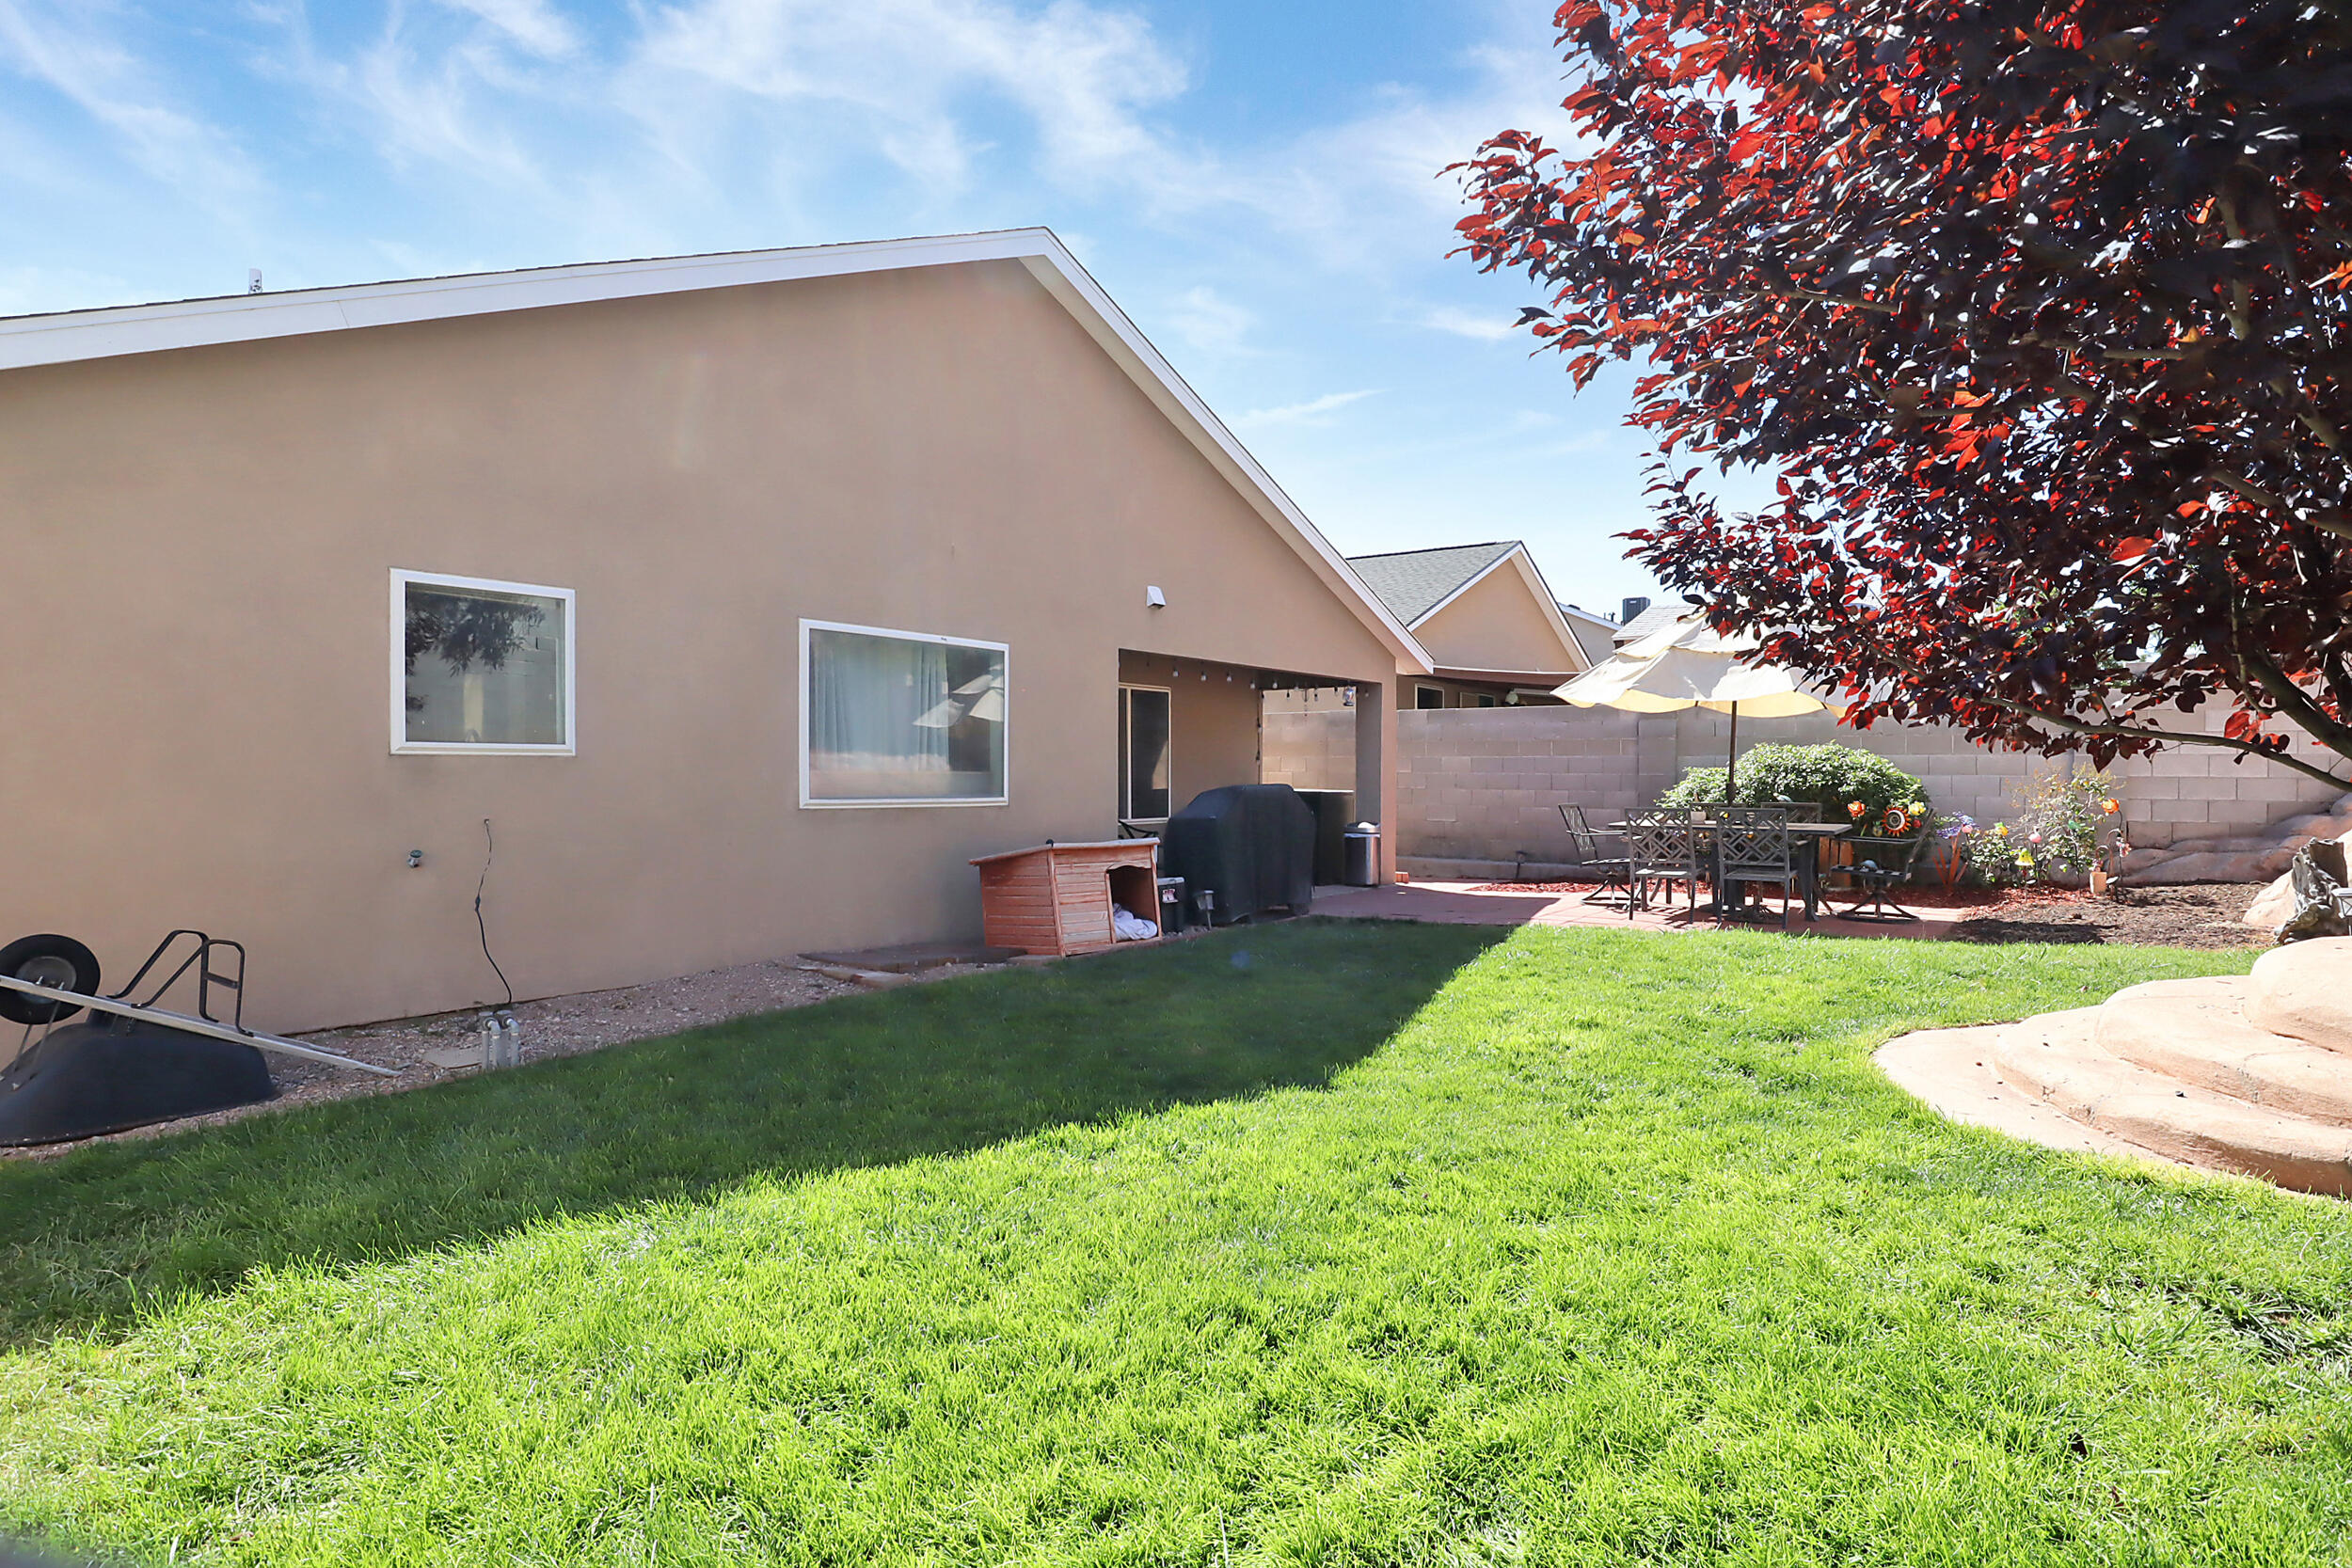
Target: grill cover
1253,846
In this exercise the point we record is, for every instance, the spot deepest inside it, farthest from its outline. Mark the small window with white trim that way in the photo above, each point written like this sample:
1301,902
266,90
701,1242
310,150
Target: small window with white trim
481,666
900,718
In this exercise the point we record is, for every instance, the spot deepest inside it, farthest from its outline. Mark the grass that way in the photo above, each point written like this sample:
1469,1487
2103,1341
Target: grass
1327,1244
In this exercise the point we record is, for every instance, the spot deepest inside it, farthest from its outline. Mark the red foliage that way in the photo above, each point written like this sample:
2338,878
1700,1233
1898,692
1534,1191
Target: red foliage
2042,310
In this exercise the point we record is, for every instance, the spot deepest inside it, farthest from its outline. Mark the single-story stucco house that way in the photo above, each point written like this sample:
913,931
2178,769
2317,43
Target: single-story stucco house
745,598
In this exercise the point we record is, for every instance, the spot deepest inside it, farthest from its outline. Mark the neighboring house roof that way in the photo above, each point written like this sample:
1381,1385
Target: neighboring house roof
1663,614
1416,584
69,336
1596,634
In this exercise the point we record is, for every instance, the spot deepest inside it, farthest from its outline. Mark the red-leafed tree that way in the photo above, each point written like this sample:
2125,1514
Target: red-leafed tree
2043,310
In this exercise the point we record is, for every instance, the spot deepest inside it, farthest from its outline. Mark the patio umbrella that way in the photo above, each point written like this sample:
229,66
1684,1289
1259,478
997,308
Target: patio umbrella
1690,664
982,697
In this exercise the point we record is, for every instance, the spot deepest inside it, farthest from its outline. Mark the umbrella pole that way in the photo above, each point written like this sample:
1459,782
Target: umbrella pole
1731,758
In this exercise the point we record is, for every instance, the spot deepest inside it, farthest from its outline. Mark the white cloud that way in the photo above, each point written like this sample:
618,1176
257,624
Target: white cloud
424,109
75,57
531,23
1311,412
1210,323
899,73
1462,324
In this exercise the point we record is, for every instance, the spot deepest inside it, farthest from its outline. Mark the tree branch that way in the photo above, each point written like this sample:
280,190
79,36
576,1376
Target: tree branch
2130,732
2270,502
2298,704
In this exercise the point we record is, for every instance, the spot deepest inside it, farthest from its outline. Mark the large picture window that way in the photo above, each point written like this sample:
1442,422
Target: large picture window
479,666
900,718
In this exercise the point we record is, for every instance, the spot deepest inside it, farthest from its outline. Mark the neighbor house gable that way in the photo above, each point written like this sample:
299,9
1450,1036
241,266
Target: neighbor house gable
1477,609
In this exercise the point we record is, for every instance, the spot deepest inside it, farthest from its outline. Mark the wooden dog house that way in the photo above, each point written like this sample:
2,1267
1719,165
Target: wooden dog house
1057,897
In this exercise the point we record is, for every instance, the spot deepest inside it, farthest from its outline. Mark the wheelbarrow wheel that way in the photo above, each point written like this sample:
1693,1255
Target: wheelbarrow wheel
46,961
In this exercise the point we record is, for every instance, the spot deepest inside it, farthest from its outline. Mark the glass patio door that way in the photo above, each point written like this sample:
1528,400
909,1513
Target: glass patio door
1143,754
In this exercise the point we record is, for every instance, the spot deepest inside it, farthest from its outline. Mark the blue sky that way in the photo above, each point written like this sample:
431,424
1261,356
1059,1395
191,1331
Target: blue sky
1254,181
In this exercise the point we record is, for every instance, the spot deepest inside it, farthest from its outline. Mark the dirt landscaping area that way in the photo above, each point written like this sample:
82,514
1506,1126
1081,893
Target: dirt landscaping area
2201,914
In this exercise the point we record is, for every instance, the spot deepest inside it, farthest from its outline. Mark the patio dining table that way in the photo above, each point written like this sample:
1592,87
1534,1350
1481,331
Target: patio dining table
1810,834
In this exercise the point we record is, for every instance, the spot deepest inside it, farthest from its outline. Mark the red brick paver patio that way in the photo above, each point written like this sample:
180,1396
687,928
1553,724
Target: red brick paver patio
1479,904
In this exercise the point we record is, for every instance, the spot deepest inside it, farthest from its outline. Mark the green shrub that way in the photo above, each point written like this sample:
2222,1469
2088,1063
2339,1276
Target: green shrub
1831,776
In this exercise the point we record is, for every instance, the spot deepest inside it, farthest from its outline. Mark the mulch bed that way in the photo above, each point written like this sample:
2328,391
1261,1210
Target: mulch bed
2202,915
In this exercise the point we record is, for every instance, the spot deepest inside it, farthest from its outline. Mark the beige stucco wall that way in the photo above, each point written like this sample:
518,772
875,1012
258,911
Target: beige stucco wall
195,663
1496,624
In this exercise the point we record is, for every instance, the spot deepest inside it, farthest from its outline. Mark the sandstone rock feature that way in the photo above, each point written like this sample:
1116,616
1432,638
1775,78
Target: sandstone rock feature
2238,860
2251,1075
2272,906
2305,991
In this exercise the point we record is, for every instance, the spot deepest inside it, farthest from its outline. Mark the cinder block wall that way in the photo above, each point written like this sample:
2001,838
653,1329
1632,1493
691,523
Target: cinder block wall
1307,749
1484,783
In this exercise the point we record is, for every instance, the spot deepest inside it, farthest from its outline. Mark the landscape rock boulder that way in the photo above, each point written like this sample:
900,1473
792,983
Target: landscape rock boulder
2273,905
2302,991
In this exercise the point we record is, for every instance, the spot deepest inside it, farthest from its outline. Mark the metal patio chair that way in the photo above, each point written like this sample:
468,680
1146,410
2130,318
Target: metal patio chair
1752,845
1661,847
1875,880
1614,871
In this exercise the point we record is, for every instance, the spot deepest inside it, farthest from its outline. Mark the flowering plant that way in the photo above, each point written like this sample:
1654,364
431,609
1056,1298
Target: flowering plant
2068,826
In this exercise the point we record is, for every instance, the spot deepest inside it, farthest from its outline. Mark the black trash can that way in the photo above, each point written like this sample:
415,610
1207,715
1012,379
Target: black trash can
1364,855
1171,905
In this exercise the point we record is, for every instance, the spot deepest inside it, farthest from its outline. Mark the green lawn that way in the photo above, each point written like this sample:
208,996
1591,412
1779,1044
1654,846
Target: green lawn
1333,1244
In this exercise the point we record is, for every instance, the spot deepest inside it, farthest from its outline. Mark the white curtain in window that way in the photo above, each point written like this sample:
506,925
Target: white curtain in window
904,719
867,696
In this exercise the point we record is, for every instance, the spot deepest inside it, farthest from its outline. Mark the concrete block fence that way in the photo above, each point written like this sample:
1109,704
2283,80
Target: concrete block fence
1478,789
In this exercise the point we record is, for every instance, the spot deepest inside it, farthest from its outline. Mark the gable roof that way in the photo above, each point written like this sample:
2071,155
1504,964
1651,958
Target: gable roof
66,337
1663,614
1597,634
1416,584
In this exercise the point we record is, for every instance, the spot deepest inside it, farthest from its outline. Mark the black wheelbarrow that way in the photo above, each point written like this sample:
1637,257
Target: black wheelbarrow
133,1063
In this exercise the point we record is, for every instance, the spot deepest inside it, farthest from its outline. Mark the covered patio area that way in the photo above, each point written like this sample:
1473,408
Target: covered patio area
1188,725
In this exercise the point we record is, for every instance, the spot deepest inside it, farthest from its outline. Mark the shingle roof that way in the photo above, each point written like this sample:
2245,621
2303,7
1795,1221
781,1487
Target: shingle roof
1414,582
1663,614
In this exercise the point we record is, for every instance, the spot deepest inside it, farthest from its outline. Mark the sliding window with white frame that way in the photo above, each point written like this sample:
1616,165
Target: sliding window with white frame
901,717
481,666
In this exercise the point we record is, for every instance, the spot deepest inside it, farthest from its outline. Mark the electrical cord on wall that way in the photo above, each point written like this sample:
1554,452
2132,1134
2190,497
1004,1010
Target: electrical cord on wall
480,925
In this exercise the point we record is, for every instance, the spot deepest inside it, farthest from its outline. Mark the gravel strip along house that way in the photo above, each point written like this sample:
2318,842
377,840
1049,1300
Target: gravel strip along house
698,611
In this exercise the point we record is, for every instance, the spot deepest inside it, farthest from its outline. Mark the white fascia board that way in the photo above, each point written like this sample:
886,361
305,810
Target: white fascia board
1534,580
1062,276
52,340
1532,575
